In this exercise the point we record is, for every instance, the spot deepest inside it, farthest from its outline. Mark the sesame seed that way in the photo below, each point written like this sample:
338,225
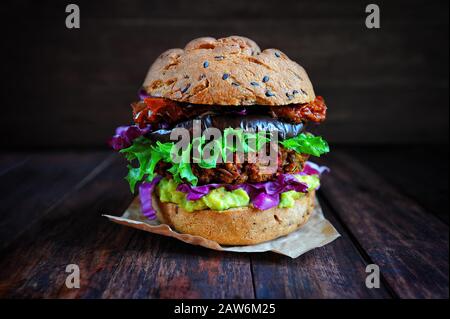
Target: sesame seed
186,88
269,93
265,79
219,57
235,84
205,64
295,92
225,76
254,83
303,91
178,95
277,54
289,96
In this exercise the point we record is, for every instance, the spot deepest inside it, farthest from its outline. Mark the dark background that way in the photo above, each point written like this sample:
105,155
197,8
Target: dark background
72,87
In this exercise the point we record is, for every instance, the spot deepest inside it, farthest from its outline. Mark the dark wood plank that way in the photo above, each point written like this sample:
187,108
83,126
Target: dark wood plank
39,184
336,270
409,245
9,162
114,261
172,269
418,171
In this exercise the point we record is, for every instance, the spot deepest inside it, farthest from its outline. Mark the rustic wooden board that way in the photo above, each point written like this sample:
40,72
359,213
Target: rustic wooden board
409,245
39,183
416,171
114,261
336,270
378,225
156,267
9,162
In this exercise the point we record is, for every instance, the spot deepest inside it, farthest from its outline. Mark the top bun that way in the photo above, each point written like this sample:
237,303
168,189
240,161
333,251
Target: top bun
228,71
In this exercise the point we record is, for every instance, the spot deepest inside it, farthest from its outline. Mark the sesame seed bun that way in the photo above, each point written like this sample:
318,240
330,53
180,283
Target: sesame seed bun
228,71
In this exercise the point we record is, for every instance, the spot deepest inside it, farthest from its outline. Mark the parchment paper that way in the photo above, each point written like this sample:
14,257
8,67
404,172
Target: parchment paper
317,232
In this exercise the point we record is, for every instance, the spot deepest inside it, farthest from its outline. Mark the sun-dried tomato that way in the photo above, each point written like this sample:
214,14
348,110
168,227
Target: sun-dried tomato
314,111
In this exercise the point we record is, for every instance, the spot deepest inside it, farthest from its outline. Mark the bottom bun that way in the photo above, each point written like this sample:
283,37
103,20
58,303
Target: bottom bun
238,226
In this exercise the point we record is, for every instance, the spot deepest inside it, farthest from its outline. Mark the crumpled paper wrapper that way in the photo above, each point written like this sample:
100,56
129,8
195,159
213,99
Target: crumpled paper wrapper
317,232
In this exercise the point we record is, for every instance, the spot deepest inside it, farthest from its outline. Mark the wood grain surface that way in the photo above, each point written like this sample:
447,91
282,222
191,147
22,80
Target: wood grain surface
61,224
396,233
114,261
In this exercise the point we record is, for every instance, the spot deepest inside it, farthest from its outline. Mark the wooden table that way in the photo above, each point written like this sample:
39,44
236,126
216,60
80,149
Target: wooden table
391,211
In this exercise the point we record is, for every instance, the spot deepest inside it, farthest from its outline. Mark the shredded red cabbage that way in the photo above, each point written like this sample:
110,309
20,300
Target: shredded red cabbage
196,192
264,201
125,135
145,196
266,195
143,94
313,169
263,195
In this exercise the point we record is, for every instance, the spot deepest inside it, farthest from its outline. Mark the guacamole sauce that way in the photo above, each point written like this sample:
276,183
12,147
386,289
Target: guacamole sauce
217,199
221,199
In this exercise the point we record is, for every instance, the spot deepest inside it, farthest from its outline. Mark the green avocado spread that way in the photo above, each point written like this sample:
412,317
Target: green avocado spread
221,199
287,199
217,199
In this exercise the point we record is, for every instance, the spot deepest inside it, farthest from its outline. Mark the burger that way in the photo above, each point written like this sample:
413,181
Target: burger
242,174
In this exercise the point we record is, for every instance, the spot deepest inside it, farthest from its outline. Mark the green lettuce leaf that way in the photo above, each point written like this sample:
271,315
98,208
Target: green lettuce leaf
307,143
134,175
147,155
211,161
181,169
141,151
